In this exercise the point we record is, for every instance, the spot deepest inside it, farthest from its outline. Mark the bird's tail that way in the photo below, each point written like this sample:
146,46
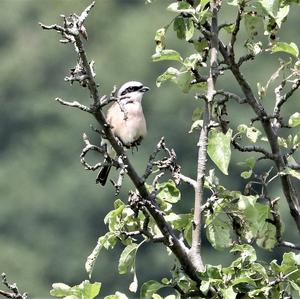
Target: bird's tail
103,175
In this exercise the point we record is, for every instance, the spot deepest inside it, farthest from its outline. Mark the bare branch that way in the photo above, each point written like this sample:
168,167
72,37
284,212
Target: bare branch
245,58
175,245
230,95
253,148
150,164
195,251
186,179
236,29
73,104
281,99
13,292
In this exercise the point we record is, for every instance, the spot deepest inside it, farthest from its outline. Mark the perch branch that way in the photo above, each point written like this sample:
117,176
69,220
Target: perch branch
175,245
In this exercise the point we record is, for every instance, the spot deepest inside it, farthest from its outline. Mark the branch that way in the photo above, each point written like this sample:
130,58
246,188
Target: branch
236,29
195,251
281,99
73,104
175,245
230,95
14,291
286,183
252,148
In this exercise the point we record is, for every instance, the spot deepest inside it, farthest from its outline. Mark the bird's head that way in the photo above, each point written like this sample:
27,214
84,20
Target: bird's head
133,90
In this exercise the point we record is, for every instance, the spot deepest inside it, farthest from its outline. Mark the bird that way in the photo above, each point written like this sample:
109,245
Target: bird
126,120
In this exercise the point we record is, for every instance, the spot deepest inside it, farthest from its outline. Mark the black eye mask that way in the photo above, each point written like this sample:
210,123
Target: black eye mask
131,89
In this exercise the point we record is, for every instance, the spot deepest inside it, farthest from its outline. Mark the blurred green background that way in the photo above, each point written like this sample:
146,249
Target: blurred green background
51,210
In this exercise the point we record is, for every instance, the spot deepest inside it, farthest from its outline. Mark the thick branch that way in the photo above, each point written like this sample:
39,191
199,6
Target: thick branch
195,251
253,148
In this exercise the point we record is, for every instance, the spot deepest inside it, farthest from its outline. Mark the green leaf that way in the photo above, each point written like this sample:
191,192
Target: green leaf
229,27
294,120
168,192
214,272
251,132
107,241
184,27
127,258
193,61
281,15
290,48
170,74
149,288
228,293
167,54
270,6
181,7
219,232
85,290
219,148
60,290
113,217
91,290
246,251
181,78
263,231
179,221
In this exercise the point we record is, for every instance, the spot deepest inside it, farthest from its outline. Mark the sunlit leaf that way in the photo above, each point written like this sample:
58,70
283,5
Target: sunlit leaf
294,119
290,48
228,293
219,148
168,191
170,74
251,132
167,54
149,288
85,290
127,258
184,27
181,7
219,232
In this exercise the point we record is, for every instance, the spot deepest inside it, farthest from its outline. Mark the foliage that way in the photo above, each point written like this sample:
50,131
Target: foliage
233,219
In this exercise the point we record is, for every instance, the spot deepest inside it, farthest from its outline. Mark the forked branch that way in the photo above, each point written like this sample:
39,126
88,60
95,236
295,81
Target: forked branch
74,36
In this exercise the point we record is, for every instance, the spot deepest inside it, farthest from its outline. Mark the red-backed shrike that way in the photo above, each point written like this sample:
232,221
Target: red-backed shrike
126,119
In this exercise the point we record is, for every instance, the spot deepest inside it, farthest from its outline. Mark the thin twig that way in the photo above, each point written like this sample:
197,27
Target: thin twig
73,104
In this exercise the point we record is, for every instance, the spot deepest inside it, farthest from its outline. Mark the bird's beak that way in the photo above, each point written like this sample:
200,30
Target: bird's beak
144,89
